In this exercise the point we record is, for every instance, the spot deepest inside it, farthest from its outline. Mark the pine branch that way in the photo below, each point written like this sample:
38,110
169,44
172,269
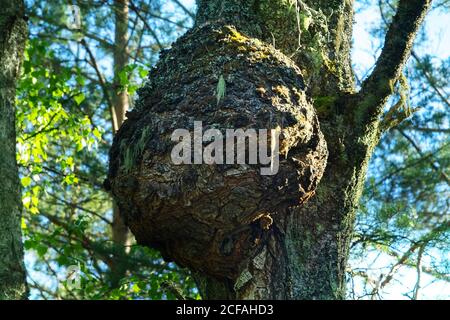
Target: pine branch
378,87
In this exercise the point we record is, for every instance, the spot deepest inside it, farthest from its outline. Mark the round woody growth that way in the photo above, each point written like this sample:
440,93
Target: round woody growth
212,217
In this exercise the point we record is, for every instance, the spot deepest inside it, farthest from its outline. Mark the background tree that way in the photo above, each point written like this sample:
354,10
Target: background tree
12,43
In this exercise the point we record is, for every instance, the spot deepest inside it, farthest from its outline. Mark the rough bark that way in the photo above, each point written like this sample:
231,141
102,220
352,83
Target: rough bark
120,100
304,252
203,216
13,34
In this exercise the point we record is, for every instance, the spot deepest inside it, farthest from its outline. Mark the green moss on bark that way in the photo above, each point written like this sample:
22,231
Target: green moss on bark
316,35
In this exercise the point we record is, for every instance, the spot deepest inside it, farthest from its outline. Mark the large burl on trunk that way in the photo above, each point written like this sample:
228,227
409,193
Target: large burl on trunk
258,64
215,218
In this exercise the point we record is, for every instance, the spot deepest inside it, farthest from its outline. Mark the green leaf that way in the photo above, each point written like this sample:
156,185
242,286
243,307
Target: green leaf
29,244
221,89
97,133
79,98
26,181
123,77
41,249
136,288
23,224
143,72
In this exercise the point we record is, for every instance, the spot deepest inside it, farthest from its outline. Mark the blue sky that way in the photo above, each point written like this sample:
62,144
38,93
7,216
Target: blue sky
365,50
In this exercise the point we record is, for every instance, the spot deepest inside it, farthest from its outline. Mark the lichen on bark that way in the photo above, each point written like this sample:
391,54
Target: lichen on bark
314,34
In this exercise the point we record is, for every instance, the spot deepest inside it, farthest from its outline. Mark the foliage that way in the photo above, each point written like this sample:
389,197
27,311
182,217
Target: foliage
64,133
401,243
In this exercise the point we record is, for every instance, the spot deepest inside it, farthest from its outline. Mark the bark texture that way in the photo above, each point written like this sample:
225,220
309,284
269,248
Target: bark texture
303,252
211,218
13,34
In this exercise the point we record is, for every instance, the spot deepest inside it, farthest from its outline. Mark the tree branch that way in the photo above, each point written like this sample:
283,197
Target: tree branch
378,87
186,10
430,80
144,20
433,164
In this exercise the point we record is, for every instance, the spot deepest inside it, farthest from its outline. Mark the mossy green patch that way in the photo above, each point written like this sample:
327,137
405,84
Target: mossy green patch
324,105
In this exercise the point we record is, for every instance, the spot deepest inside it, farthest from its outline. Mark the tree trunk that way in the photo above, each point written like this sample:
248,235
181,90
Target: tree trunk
121,53
303,252
306,255
13,35
120,233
